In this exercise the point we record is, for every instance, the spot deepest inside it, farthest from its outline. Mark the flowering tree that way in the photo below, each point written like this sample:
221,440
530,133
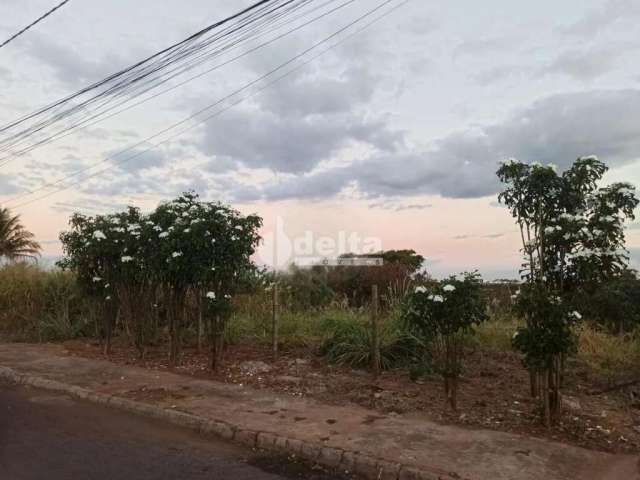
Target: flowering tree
107,255
444,313
204,246
572,238
184,245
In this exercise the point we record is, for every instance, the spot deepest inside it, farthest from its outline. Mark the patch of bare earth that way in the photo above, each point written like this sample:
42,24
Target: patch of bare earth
494,391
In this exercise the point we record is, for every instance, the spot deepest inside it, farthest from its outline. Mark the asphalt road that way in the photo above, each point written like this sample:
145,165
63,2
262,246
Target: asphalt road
50,436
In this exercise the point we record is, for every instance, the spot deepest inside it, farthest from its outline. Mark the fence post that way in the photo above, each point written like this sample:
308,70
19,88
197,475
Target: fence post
375,334
274,322
200,294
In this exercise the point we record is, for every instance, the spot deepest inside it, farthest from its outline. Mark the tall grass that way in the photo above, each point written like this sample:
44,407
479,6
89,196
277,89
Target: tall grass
496,333
609,356
42,305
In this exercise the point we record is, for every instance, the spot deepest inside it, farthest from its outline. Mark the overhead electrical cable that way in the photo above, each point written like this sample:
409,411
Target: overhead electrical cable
32,24
113,109
126,81
218,102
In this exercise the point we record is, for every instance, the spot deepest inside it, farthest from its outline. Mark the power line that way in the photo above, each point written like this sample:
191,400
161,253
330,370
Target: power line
119,82
95,118
38,20
219,112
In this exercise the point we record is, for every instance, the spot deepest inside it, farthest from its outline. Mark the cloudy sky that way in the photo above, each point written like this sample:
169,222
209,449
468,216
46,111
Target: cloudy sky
393,134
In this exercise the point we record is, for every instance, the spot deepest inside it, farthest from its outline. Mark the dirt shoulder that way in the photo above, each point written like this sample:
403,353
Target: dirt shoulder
493,391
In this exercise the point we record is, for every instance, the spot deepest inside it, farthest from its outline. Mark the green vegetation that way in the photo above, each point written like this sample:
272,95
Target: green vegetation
16,242
39,305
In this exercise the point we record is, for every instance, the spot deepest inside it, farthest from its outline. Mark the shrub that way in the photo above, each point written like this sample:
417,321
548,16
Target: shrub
444,314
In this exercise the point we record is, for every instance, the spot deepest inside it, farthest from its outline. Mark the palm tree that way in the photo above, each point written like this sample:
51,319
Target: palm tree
15,241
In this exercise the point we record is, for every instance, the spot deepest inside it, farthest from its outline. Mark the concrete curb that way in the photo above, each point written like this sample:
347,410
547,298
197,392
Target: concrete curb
335,458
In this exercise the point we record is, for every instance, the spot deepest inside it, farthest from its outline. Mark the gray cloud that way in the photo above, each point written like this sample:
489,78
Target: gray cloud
399,207
312,116
7,185
584,64
599,19
319,95
488,236
291,143
70,68
556,129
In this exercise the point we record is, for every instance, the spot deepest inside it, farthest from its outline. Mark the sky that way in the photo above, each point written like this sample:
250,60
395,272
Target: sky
393,135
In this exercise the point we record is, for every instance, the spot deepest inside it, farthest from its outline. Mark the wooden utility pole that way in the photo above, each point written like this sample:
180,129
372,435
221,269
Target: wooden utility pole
274,322
375,334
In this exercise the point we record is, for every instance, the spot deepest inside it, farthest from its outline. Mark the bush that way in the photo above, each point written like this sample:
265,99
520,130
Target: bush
444,315
615,303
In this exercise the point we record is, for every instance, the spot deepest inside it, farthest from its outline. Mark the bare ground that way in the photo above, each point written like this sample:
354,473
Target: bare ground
494,392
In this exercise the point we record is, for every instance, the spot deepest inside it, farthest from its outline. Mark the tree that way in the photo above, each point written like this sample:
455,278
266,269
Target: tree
205,246
572,238
16,242
186,245
443,314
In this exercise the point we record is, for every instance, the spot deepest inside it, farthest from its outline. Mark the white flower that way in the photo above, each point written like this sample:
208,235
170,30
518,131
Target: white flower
163,234
96,279
211,295
107,285
108,297
126,259
448,288
515,335
576,315
552,166
176,254
549,230
420,289
186,230
98,235
157,228
238,227
436,298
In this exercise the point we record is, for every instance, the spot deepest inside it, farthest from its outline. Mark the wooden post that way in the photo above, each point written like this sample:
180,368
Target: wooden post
375,337
200,319
274,322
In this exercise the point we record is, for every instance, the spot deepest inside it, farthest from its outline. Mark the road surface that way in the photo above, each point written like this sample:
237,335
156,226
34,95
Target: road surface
51,436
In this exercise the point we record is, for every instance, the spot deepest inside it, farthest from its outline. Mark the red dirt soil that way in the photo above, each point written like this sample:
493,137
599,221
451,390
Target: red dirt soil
493,393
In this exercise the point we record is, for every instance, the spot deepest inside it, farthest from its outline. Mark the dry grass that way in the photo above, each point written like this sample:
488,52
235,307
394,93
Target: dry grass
609,356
